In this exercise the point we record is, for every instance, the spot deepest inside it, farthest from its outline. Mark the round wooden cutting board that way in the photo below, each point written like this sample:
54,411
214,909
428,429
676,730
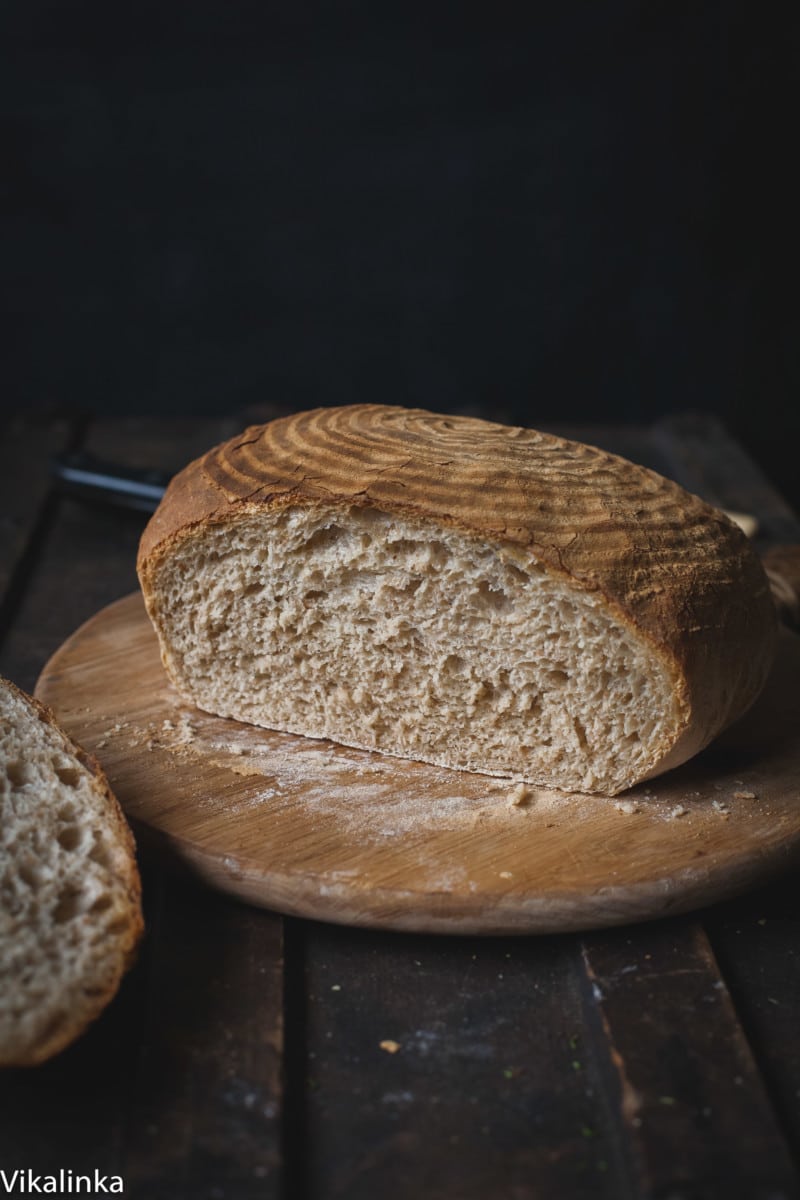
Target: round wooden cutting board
318,830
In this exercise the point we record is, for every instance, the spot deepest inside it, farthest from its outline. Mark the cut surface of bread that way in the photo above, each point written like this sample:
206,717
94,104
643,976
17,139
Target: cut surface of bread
463,593
70,911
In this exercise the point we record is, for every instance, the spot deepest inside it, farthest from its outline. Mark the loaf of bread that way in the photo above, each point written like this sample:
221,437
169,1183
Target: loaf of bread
467,594
70,916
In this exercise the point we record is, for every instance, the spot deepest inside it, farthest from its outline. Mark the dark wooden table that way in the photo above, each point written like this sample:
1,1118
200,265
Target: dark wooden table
242,1057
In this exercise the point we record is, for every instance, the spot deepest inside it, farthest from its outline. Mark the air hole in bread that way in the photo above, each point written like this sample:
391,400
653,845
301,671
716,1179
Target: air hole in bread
117,925
101,904
13,903
405,546
516,573
17,773
28,874
493,596
580,732
532,704
67,906
69,838
324,537
69,776
100,854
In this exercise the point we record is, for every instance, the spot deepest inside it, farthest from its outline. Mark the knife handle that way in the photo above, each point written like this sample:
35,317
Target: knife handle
81,474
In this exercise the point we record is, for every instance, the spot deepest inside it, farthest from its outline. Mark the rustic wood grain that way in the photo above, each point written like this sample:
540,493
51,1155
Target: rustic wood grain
452,1068
612,1065
202,1108
679,1073
756,941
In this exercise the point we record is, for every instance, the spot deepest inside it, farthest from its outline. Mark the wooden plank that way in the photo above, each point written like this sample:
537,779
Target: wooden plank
685,1075
26,447
202,1110
680,1075
158,443
451,1067
208,986
611,1065
756,940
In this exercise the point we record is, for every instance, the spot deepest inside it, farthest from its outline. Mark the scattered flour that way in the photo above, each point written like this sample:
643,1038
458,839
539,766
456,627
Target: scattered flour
374,797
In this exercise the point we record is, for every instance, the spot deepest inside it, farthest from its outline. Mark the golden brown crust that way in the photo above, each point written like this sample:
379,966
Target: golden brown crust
666,562
128,937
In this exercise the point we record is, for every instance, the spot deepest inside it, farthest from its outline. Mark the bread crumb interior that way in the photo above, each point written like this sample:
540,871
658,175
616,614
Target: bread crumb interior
401,636
63,902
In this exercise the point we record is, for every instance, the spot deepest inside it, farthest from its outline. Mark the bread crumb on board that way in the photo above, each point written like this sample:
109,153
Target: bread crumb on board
629,807
110,733
520,796
389,1046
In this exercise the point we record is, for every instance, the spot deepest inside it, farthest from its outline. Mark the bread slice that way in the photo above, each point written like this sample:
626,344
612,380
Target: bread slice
70,912
464,593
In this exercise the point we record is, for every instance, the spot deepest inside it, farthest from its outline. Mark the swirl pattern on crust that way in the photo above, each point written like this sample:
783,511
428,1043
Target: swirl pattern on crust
578,508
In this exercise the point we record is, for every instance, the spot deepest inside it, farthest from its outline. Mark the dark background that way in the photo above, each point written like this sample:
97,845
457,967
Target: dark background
549,213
